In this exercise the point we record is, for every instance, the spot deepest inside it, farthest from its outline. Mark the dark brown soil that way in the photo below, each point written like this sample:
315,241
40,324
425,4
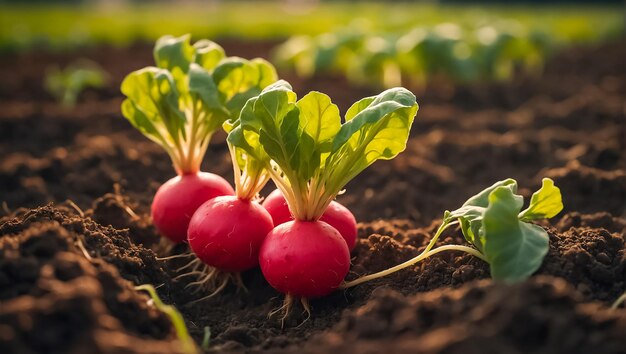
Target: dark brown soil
56,299
543,315
569,125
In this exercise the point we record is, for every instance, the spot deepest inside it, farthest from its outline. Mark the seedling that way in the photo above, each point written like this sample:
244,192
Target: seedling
187,344
179,104
493,222
66,85
206,339
310,155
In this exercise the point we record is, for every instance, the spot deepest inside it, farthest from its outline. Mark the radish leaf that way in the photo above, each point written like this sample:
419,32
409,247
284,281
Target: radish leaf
482,199
491,221
194,90
310,154
248,156
152,105
514,249
376,129
174,54
208,54
545,203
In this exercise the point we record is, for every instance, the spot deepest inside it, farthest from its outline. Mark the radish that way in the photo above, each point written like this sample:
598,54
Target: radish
227,232
336,215
304,258
310,155
179,105
177,200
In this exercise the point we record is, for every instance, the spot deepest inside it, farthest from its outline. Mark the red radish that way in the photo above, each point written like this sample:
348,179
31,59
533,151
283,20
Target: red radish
177,199
304,258
227,232
336,215
276,204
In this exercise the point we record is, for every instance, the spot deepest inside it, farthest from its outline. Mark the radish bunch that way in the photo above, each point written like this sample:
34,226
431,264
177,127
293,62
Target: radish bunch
179,104
300,236
310,155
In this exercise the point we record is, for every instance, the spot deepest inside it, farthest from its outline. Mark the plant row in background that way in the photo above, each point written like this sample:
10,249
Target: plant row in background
55,26
299,235
462,53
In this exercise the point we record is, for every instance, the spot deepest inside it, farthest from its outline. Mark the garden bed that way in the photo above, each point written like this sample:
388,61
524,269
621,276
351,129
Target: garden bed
67,269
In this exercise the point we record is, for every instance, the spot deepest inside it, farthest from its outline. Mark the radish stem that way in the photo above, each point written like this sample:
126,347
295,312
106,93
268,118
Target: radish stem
428,251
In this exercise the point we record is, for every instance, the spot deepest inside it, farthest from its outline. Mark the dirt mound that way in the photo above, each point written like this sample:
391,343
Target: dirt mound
57,298
543,315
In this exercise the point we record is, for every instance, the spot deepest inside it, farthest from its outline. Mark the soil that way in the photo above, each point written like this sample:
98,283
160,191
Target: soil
75,231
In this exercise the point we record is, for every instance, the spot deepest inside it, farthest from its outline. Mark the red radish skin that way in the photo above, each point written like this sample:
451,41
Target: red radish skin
336,215
177,199
227,233
304,259
277,206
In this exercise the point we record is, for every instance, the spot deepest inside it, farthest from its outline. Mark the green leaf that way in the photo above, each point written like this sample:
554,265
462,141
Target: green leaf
378,129
205,100
471,221
514,249
316,154
191,94
152,105
261,119
359,106
141,121
320,122
245,135
208,54
277,133
470,215
238,80
320,116
544,203
482,199
245,140
174,53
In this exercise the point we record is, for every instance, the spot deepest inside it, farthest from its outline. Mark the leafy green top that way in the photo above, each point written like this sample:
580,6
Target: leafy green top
307,150
193,89
493,221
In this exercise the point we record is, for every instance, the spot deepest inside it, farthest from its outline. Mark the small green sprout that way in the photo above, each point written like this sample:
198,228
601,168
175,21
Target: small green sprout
494,223
206,340
67,85
187,343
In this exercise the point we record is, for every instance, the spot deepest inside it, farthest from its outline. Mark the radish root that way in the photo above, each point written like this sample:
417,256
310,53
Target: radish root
165,246
207,279
285,309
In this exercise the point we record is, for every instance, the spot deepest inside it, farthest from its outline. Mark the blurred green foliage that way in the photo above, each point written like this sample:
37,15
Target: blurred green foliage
66,85
57,26
486,52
